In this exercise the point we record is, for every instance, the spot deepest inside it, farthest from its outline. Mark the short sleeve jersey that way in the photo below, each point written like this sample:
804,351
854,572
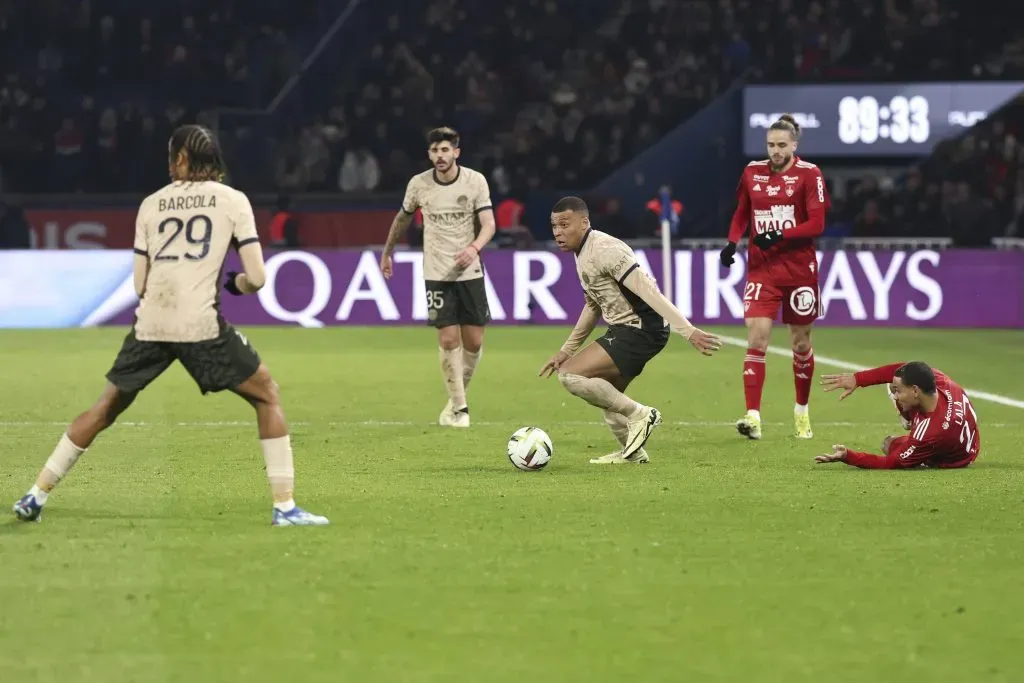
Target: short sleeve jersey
450,212
603,262
185,231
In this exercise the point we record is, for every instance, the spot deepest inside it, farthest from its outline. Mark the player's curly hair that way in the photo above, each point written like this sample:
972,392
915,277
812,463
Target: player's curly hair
202,152
787,123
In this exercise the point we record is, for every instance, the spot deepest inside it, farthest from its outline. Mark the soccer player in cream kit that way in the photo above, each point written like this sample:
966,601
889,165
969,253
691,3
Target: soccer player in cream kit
182,236
640,319
455,202
783,200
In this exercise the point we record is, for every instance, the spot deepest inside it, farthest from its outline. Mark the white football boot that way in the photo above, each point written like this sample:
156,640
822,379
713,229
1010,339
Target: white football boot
454,418
616,458
640,430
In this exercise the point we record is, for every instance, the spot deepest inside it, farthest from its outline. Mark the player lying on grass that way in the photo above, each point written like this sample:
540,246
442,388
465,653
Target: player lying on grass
639,318
182,236
937,412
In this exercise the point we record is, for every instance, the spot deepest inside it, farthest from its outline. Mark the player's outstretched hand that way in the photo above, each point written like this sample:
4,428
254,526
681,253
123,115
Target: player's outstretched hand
231,283
727,254
555,362
704,342
386,266
845,381
838,454
768,239
464,259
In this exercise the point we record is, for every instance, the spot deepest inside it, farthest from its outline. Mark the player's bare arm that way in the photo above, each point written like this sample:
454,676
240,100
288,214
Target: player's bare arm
589,317
399,225
464,259
641,284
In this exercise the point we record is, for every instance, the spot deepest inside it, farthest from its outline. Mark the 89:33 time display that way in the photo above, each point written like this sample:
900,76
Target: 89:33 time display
862,120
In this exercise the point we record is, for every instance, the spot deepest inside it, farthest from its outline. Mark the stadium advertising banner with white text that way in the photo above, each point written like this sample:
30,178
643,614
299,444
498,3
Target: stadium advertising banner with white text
954,288
865,120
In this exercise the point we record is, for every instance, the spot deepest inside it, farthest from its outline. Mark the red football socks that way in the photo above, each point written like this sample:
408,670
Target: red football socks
753,378
803,375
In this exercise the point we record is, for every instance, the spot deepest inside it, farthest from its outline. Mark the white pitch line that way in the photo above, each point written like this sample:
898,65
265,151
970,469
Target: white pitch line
853,367
411,423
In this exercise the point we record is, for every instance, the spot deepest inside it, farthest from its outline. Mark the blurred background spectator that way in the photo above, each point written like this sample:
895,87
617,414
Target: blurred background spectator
548,96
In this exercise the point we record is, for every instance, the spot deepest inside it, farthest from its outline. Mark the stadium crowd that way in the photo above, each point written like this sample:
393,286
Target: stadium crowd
547,95
970,189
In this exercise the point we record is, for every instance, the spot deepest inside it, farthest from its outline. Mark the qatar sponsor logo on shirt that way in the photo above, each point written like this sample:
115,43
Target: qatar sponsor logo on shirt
775,218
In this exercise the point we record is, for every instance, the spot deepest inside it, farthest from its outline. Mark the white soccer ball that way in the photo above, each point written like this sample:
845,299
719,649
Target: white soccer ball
530,448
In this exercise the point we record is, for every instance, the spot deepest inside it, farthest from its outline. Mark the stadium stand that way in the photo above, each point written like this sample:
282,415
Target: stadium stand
92,87
547,95
970,189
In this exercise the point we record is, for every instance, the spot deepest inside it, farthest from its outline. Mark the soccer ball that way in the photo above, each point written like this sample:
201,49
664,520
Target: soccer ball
530,448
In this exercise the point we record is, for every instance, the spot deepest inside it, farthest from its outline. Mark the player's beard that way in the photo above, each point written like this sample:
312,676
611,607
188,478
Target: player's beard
785,162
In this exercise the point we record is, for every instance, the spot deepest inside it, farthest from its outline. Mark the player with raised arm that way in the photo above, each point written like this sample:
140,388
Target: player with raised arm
455,201
784,199
182,236
942,424
639,319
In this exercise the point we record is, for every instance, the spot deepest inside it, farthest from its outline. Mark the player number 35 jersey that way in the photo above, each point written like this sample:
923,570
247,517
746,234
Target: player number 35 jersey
449,220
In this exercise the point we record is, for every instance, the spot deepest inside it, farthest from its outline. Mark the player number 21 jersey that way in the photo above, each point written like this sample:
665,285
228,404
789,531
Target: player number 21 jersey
185,231
768,201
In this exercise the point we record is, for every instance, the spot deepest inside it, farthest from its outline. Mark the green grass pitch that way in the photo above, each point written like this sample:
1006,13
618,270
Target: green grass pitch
722,560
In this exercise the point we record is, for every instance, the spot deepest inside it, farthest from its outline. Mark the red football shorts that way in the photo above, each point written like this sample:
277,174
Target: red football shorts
801,304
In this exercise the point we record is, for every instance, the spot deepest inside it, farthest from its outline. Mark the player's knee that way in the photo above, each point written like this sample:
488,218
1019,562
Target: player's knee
448,338
802,345
758,340
261,388
472,339
571,381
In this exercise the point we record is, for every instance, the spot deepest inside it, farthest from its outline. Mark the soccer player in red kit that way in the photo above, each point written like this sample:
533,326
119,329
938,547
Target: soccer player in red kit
942,424
783,200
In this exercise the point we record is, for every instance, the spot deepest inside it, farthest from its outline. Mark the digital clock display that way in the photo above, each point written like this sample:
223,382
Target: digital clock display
873,119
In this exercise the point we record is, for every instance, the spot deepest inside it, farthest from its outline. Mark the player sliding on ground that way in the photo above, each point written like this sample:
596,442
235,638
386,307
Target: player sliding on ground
454,199
639,319
784,199
182,236
940,418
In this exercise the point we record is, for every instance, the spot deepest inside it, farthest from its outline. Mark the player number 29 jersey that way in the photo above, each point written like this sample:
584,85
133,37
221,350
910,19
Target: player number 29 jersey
185,231
768,201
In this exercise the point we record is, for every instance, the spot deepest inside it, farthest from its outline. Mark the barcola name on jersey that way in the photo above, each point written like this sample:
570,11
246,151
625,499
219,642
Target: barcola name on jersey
776,218
187,202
